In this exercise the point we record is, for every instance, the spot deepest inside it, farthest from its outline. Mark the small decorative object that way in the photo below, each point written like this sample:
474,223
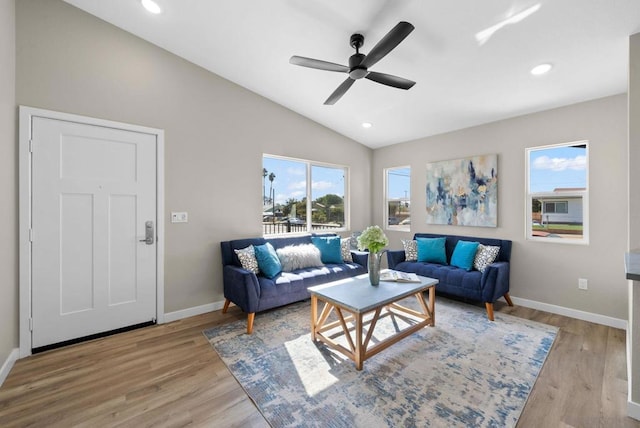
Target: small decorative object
374,240
463,192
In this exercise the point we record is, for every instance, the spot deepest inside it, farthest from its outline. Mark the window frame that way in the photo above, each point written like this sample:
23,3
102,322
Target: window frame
385,198
529,196
309,164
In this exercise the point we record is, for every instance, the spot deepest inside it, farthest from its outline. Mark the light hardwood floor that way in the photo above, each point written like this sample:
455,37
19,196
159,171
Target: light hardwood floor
168,375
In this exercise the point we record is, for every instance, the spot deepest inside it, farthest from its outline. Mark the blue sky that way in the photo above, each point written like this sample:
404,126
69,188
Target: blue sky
399,182
557,167
291,179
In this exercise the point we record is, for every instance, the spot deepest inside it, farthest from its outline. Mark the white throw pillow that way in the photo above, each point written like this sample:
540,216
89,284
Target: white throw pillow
295,257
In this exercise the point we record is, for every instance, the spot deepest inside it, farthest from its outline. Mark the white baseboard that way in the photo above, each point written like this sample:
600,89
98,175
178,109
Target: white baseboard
190,312
8,364
572,313
633,410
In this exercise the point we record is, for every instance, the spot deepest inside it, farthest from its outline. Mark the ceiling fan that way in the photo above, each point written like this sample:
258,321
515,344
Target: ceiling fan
359,64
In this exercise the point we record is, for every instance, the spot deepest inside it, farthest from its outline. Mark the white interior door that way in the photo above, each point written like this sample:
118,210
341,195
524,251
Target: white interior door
93,200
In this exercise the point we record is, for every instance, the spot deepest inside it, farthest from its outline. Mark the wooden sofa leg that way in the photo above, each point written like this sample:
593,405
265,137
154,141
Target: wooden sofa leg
508,299
489,307
226,306
250,322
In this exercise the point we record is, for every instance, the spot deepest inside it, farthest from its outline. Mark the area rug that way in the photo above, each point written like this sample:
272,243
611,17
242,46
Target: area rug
464,372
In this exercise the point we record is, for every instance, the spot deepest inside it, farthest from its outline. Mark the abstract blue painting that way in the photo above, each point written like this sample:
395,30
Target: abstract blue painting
463,192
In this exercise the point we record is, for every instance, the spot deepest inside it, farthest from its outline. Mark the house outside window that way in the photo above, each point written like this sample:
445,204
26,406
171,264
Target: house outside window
397,211
300,196
557,193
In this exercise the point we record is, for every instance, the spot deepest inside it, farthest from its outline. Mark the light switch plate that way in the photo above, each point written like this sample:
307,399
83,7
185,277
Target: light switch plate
179,217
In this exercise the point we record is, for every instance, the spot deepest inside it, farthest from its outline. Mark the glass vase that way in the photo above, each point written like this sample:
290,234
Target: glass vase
374,268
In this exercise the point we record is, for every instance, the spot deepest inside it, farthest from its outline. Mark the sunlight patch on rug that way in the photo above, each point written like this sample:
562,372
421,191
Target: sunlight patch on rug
465,371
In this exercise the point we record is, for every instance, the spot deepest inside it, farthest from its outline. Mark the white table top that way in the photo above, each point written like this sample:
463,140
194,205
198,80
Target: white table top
358,295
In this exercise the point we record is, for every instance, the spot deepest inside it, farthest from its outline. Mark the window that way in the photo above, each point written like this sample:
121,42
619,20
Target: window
398,198
557,193
556,207
301,196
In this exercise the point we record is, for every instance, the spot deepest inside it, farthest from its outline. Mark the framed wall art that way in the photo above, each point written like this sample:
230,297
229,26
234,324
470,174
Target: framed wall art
463,192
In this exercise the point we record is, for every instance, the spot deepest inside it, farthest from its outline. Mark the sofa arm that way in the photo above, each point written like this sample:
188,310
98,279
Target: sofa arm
360,257
495,281
394,257
241,287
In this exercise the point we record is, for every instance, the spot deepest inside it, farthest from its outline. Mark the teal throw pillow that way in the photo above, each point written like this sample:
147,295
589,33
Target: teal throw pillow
464,254
432,250
268,260
329,247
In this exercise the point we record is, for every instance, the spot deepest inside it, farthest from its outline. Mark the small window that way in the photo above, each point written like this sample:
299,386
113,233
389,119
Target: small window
302,196
398,198
557,193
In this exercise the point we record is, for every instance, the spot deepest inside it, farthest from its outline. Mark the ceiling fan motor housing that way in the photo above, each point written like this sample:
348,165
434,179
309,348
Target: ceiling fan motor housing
355,71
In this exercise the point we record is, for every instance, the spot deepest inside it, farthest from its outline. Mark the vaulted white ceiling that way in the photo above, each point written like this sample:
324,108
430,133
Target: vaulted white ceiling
461,81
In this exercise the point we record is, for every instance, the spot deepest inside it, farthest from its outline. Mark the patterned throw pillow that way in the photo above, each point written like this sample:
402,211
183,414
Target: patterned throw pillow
293,257
485,255
247,257
410,250
345,249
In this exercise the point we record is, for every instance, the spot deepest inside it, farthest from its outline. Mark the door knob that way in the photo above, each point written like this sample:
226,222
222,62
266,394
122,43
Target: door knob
148,233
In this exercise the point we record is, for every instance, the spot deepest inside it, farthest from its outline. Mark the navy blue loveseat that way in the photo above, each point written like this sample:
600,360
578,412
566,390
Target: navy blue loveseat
256,293
485,287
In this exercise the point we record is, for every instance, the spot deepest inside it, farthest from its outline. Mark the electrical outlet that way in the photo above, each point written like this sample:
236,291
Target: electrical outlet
179,217
582,284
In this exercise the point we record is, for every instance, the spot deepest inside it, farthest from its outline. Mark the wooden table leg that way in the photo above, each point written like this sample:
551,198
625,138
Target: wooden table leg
314,316
359,354
432,304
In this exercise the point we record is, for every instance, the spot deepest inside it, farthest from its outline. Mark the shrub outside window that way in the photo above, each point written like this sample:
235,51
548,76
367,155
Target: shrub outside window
398,198
302,196
557,193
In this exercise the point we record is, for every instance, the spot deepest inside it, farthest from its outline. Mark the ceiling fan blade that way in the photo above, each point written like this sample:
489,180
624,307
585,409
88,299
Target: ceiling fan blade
388,42
339,92
319,64
390,80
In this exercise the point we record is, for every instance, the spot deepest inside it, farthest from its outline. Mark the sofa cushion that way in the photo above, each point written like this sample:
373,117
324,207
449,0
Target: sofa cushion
247,257
345,250
294,257
329,246
410,250
485,255
268,261
432,250
464,254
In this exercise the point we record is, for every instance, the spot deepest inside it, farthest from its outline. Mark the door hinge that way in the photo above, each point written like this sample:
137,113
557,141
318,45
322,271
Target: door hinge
30,235
30,146
30,324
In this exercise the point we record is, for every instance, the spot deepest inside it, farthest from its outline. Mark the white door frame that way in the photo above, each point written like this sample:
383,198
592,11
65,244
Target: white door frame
24,163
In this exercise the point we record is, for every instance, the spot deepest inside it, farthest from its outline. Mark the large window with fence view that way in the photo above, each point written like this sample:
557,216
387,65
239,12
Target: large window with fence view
302,196
398,198
557,193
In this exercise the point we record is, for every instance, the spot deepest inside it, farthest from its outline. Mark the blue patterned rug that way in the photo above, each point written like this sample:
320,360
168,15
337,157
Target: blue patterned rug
464,372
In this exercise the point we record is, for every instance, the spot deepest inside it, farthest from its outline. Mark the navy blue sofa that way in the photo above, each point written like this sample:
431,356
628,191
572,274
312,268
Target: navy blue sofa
485,287
256,293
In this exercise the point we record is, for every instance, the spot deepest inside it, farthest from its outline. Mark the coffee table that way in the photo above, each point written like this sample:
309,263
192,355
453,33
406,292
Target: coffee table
357,297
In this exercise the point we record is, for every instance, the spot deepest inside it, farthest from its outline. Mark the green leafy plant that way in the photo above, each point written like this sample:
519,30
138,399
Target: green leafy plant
373,239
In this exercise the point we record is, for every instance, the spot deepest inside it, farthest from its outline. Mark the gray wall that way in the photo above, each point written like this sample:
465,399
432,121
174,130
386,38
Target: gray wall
8,184
215,132
543,272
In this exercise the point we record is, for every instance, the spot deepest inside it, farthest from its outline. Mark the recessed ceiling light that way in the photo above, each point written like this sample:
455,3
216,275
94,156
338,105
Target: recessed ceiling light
151,6
366,125
541,69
